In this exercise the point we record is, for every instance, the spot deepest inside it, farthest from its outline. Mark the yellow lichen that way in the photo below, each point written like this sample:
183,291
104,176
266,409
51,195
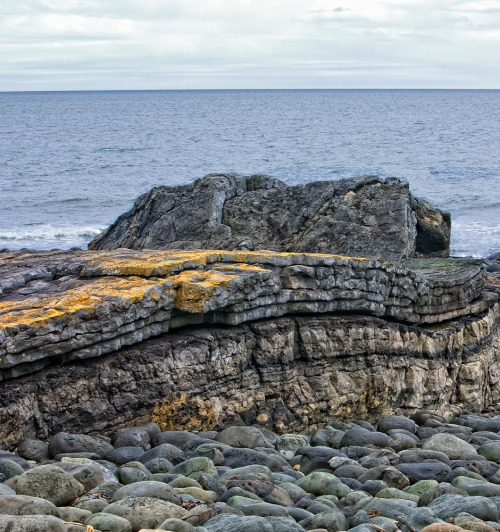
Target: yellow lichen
177,411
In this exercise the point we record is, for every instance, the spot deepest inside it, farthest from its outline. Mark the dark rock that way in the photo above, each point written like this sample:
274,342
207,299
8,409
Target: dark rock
178,438
242,457
132,437
388,423
314,458
431,469
33,450
227,522
159,465
9,469
109,523
442,489
63,442
361,437
414,456
450,505
164,450
360,217
122,455
12,504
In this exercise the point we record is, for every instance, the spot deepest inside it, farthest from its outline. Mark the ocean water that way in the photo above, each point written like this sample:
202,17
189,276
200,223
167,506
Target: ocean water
71,162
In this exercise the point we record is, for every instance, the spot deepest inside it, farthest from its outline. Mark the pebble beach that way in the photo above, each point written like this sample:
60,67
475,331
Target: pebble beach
422,472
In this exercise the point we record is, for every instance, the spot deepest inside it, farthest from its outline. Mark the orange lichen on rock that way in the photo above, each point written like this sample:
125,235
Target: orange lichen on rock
196,288
83,299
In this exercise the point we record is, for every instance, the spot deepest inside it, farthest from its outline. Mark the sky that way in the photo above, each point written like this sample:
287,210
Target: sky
243,44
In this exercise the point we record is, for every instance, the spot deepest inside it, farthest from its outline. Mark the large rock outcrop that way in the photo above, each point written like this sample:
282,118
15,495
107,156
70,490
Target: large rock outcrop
367,217
91,341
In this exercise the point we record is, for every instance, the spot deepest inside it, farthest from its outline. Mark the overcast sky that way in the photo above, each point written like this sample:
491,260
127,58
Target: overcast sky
217,44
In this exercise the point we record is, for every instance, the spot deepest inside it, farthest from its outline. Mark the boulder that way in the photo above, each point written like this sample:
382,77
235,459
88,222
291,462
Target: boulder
367,217
32,523
51,483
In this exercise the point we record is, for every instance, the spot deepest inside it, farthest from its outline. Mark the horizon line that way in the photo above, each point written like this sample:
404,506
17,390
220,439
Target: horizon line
248,89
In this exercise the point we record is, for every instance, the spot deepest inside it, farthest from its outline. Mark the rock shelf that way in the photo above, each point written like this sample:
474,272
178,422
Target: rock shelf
79,304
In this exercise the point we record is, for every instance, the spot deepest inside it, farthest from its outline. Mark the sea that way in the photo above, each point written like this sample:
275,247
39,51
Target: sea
71,162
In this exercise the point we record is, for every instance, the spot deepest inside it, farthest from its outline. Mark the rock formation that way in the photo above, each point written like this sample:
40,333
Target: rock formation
366,217
90,341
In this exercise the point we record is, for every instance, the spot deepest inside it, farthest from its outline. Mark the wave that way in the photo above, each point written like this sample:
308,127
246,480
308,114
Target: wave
48,232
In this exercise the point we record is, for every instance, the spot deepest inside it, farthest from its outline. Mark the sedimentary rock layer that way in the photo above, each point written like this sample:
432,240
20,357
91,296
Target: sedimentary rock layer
366,216
61,306
287,373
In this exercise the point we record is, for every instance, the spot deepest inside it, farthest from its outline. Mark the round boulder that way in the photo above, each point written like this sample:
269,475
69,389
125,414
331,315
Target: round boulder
454,447
388,423
51,483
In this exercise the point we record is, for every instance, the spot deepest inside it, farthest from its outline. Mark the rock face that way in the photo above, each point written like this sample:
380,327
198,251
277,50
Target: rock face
366,217
62,306
284,340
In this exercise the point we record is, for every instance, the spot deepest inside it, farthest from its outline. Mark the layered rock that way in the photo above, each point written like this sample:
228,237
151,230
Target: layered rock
281,339
367,217
81,304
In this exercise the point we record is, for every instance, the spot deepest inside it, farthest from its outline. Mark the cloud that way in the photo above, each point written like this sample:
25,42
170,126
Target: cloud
219,43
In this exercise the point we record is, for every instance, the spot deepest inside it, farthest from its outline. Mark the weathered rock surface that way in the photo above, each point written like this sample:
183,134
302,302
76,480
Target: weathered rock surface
348,336
365,216
74,305
287,373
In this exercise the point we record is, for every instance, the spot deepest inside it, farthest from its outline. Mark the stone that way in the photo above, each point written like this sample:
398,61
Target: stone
429,470
144,511
234,523
319,483
200,514
156,490
33,450
132,437
131,475
176,525
388,423
491,451
249,437
243,457
122,455
450,505
195,467
32,523
106,522
153,319
93,505
69,513
63,442
287,444
12,504
234,212
453,447
9,469
51,483
313,458
163,450
332,521
284,524
360,437
394,493
159,465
